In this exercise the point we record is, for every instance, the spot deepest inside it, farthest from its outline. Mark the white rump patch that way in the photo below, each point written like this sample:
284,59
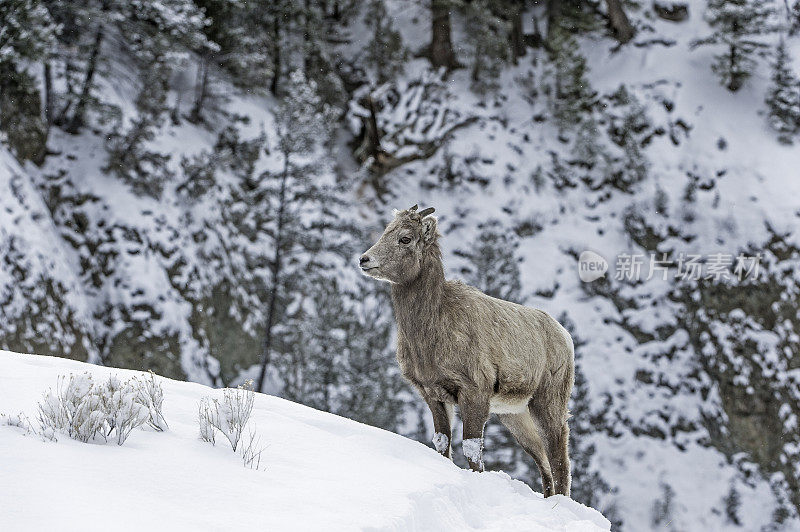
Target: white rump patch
473,450
441,442
501,405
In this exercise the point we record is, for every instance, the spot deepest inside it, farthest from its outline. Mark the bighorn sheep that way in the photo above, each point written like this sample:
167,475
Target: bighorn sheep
458,346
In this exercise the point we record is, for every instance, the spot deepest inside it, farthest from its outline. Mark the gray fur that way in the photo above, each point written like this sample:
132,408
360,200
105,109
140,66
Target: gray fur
458,346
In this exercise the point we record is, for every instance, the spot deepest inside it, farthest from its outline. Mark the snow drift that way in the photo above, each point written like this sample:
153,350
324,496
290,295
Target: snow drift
318,471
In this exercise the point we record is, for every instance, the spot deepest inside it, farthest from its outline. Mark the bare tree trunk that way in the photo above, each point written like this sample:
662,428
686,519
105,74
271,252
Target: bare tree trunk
623,30
516,37
201,90
48,95
306,38
441,49
553,16
77,121
61,118
266,346
276,57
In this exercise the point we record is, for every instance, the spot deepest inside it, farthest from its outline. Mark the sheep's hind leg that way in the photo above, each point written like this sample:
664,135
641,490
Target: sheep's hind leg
523,427
558,451
551,420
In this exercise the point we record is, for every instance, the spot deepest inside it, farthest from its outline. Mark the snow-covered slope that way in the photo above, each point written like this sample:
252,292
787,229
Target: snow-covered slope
318,471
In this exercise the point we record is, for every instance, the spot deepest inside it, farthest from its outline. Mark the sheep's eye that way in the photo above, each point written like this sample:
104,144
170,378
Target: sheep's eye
405,240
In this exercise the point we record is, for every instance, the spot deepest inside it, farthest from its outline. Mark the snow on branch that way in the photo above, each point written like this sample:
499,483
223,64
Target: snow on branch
230,417
86,411
151,394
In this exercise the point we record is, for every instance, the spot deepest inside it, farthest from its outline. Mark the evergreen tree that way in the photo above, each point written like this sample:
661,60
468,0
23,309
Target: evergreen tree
441,47
628,128
736,25
374,388
491,265
303,126
27,34
233,46
487,36
511,12
148,32
129,156
783,97
794,18
295,36
385,54
571,96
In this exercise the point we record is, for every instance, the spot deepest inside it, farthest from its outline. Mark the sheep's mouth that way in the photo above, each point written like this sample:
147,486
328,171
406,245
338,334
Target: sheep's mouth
368,268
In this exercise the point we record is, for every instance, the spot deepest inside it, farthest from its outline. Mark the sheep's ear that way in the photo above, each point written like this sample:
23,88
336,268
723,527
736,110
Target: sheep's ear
429,229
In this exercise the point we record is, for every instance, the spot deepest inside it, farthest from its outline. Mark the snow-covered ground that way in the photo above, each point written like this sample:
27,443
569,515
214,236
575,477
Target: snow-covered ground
318,472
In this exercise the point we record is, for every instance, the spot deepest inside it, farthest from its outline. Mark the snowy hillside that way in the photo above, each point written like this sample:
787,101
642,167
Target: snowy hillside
186,186
318,471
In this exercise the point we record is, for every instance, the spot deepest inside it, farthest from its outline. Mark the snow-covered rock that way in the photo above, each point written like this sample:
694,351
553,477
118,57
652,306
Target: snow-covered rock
318,472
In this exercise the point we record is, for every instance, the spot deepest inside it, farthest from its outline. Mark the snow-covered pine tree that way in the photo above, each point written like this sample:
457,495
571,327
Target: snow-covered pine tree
337,354
374,391
794,18
492,265
233,46
326,336
296,35
737,25
144,169
226,285
27,35
144,30
385,53
318,58
629,129
571,96
488,36
783,96
303,127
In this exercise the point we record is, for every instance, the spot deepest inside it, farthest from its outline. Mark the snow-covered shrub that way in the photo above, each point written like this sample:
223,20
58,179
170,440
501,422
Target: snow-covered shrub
18,420
22,421
73,408
151,394
122,407
84,410
228,416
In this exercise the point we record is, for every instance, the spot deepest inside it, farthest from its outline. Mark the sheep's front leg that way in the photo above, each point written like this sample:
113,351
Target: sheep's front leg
475,414
442,424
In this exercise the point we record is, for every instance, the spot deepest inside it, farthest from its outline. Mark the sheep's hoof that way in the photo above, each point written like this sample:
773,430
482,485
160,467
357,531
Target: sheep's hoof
476,467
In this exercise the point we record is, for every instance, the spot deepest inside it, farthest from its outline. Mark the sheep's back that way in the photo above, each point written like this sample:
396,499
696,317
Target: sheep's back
508,343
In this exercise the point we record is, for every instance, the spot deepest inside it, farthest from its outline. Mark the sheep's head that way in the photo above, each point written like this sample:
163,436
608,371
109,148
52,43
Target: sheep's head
397,255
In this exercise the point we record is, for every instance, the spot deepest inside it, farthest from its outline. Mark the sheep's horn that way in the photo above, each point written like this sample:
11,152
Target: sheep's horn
414,208
425,212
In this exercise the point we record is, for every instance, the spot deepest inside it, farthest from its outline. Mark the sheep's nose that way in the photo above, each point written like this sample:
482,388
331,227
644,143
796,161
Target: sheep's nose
363,260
